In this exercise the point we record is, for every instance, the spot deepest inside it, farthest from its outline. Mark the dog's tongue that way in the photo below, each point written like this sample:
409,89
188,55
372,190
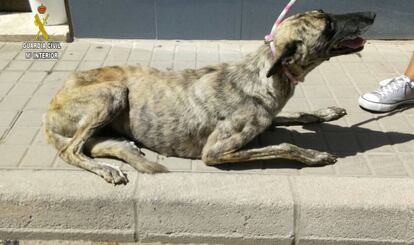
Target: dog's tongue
353,43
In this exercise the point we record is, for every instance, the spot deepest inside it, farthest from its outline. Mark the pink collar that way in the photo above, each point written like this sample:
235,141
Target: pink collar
269,39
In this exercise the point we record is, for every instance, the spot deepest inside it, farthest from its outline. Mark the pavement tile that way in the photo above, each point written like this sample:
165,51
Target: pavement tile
56,77
313,78
5,88
380,67
407,159
336,79
10,76
200,166
19,65
201,64
38,102
318,103
363,122
66,65
382,76
299,92
399,66
30,118
318,170
174,163
11,155
38,157
60,164
339,142
275,136
387,165
141,51
317,92
208,53
73,55
349,104
365,78
249,47
23,89
163,52
50,89
181,65
344,91
352,165
138,62
10,50
40,140
164,65
296,104
119,52
13,102
312,140
21,136
43,65
336,125
3,130
7,117
114,63
89,65
97,52
349,58
33,77
330,67
185,53
3,64
396,123
375,142
355,68
230,56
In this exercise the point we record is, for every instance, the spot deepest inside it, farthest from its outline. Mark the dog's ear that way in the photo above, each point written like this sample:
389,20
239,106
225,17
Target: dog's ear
289,55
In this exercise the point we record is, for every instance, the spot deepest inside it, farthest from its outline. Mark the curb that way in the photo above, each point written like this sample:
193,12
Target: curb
206,207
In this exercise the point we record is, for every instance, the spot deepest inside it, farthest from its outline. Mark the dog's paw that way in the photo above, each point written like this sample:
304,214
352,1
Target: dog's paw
112,174
322,158
330,113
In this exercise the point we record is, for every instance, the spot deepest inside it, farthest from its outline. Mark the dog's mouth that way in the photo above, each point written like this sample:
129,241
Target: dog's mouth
348,46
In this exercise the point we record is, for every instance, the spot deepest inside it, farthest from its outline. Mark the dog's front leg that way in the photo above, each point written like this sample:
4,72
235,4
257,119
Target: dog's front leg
284,151
223,146
300,118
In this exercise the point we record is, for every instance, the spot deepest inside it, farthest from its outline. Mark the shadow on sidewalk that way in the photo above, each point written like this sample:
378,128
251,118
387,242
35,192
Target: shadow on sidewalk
338,140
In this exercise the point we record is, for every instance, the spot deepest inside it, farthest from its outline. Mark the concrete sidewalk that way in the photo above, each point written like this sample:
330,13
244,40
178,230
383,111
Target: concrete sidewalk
366,197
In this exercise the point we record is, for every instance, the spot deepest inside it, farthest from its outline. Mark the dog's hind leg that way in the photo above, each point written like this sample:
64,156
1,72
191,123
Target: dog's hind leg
84,111
124,150
301,118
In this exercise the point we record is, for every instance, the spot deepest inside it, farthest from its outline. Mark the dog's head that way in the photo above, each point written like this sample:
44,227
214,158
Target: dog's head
306,40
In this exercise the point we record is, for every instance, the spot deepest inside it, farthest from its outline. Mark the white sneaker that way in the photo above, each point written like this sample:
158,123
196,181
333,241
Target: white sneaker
392,93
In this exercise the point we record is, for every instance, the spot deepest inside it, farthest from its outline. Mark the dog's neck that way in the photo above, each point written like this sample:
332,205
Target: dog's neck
293,73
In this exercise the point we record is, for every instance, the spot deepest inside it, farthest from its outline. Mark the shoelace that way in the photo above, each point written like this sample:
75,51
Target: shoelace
393,85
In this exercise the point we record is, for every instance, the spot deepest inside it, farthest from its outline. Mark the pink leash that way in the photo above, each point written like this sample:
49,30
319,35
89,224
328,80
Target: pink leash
269,37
